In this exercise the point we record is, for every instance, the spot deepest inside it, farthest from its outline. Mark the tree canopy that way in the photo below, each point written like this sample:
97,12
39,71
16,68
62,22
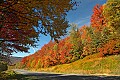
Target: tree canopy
21,22
112,14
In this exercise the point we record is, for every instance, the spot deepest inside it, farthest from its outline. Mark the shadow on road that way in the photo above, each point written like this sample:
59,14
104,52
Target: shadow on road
46,76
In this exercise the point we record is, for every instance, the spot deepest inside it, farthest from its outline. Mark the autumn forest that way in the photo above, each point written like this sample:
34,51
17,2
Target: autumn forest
101,37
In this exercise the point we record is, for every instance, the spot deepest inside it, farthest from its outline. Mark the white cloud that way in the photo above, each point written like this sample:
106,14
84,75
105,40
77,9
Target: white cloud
83,21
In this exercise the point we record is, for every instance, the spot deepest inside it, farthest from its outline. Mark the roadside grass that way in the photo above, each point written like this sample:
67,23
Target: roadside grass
92,64
12,75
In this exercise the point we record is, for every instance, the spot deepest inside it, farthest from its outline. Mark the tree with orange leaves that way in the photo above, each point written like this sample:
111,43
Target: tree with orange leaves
97,18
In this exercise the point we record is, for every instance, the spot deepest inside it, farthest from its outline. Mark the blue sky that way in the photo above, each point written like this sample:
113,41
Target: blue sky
80,16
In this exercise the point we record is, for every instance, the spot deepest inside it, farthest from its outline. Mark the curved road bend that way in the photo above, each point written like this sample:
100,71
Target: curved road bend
58,76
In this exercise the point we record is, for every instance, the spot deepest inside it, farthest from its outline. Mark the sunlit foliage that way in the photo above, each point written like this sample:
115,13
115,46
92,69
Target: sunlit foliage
112,14
101,38
21,22
97,18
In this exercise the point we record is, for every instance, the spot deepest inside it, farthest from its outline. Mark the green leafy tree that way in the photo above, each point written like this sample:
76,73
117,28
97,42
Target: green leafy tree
112,14
3,66
75,40
92,40
87,37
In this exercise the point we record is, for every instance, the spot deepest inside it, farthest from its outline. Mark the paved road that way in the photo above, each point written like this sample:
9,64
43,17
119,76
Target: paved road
56,76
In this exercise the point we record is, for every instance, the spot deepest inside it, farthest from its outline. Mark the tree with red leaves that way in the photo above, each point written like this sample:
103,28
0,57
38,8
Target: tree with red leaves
21,22
97,18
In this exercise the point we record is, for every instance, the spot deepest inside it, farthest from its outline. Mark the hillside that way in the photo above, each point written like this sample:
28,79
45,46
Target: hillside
74,53
106,65
15,60
101,36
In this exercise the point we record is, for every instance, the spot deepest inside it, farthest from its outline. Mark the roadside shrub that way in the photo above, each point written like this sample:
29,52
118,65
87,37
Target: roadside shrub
7,75
11,73
3,76
3,66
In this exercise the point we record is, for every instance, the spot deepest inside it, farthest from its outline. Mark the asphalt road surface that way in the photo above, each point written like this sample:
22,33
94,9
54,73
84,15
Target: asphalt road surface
57,76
